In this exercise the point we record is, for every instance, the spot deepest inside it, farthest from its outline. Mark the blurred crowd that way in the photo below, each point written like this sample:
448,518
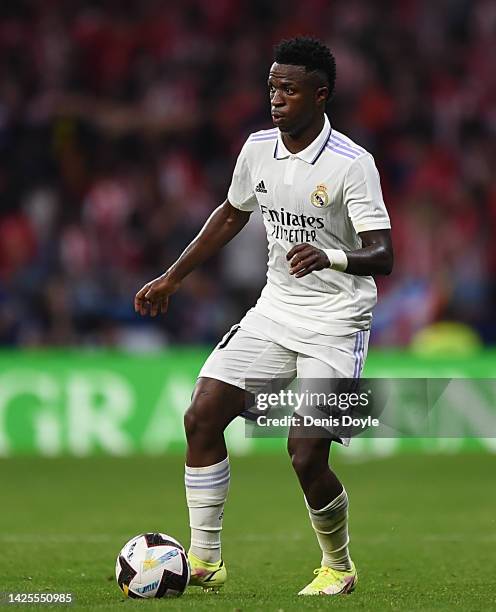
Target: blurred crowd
120,122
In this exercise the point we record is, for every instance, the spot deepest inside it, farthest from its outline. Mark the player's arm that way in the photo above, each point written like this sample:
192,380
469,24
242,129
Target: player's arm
223,224
362,195
375,257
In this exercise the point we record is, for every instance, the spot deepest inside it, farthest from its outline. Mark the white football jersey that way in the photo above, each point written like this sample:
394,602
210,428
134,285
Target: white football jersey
324,196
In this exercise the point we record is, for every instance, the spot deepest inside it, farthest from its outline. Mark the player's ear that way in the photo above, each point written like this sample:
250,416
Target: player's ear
322,94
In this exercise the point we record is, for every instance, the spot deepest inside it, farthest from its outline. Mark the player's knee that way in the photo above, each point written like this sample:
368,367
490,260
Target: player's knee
302,466
306,458
190,421
200,420
300,457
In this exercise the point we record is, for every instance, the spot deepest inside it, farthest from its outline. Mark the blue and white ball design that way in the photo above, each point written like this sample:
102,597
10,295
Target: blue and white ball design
152,565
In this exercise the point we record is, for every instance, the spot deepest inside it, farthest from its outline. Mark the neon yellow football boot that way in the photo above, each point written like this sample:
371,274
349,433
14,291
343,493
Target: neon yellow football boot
209,576
329,581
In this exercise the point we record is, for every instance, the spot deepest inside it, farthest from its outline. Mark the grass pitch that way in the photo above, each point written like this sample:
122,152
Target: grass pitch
423,531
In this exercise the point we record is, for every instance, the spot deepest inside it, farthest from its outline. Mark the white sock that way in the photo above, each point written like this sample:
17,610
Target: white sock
331,528
206,493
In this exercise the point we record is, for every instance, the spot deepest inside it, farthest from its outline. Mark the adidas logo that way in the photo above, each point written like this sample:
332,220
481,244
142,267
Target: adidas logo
260,188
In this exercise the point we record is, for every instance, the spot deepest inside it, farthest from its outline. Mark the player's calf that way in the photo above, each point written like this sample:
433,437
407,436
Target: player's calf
310,457
213,406
327,504
207,475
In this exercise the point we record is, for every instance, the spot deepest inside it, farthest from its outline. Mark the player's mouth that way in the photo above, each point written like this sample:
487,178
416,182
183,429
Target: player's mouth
277,117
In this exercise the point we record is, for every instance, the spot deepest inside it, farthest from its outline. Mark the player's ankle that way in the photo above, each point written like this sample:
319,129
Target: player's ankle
343,565
207,555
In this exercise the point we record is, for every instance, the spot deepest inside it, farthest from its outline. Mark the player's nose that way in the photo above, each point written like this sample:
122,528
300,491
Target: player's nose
277,100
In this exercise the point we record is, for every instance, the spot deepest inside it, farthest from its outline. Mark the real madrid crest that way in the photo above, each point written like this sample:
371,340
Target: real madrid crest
320,197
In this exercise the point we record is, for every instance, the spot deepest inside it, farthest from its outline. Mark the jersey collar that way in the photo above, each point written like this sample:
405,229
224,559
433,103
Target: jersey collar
314,150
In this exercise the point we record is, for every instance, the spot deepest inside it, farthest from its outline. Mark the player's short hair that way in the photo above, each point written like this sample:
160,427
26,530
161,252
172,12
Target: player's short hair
310,53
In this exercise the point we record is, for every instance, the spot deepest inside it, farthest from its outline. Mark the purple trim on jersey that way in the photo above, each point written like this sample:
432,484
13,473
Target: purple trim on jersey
261,138
358,352
318,154
360,349
269,131
322,147
355,354
340,152
349,143
361,354
345,147
263,134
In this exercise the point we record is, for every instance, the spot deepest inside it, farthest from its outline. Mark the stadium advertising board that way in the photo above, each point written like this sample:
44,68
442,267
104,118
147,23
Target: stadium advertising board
55,403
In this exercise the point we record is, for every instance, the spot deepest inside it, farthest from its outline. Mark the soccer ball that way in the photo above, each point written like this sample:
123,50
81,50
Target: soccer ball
152,565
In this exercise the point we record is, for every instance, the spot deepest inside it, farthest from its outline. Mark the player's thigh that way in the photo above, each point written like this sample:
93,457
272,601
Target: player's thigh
245,357
243,363
214,404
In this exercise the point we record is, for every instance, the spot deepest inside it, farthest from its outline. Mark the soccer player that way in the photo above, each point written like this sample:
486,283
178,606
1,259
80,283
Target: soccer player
328,233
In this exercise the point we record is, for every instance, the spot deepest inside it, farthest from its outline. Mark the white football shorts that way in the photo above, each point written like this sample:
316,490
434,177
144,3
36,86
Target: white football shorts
259,350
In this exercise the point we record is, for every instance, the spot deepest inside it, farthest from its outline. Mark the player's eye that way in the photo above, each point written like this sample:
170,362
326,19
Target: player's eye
289,91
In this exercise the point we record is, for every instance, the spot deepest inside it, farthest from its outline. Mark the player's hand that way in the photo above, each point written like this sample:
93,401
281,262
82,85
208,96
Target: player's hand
305,258
153,297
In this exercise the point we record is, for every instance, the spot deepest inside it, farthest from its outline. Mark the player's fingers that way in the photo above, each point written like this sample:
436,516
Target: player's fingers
296,263
154,307
307,270
302,262
139,297
141,307
164,305
138,304
144,308
154,296
296,249
297,259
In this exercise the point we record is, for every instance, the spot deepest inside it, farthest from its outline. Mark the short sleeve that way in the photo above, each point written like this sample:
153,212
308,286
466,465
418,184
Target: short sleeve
363,196
241,194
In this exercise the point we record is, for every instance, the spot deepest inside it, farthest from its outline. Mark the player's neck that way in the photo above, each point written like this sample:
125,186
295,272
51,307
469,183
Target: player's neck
298,141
